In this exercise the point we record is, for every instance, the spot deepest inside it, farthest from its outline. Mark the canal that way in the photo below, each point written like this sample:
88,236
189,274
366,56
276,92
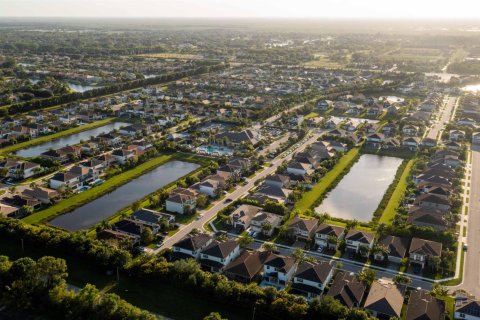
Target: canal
68,140
359,193
102,208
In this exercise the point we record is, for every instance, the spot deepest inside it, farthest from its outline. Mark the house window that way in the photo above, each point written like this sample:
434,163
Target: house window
299,280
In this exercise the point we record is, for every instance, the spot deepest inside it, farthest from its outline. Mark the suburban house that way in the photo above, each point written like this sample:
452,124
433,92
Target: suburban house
347,289
433,201
65,180
326,234
476,138
375,140
278,180
412,143
278,270
421,250
246,267
191,245
151,217
240,218
423,306
302,229
218,254
456,135
20,170
123,155
209,187
385,299
426,217
410,130
181,201
467,309
356,239
311,278
44,195
132,228
396,249
265,222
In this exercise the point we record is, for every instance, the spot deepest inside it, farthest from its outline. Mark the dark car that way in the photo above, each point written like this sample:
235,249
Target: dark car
228,200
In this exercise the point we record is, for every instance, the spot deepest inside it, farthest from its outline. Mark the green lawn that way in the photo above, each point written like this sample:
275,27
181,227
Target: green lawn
394,202
309,198
109,185
54,136
311,115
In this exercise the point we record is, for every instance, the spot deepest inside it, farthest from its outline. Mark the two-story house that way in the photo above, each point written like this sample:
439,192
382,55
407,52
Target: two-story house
327,236
356,239
302,229
191,245
241,218
278,270
218,254
420,251
311,278
181,201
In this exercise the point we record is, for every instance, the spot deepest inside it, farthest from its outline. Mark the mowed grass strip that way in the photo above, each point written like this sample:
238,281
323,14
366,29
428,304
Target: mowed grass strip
330,177
394,202
79,199
57,135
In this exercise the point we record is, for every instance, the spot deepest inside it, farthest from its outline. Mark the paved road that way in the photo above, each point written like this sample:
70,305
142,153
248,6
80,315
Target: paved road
471,277
238,193
444,117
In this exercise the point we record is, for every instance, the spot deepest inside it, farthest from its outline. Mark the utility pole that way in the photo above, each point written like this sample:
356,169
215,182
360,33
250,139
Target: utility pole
253,316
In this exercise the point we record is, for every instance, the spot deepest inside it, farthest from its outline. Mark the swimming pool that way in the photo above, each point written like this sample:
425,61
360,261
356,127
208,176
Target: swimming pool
213,149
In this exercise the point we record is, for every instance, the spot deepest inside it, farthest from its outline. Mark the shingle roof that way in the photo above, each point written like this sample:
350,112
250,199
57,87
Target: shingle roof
422,306
425,247
386,297
193,242
220,249
347,289
315,272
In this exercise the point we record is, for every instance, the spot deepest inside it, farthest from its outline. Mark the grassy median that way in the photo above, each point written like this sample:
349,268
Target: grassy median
57,135
391,209
328,181
111,184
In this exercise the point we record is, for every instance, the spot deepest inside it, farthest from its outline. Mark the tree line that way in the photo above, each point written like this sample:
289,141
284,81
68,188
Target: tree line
187,274
38,288
39,104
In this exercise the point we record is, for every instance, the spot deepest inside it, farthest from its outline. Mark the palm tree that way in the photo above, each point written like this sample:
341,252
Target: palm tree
332,241
244,241
381,250
266,227
269,247
299,255
434,262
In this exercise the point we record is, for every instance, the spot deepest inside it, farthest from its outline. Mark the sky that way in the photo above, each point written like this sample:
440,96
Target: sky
382,9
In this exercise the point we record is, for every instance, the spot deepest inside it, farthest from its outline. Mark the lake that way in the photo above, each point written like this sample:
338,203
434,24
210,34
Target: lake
359,193
107,205
472,88
81,88
69,140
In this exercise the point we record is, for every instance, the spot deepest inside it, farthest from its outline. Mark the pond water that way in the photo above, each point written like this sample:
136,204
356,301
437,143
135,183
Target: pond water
100,209
81,88
359,193
69,140
472,88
